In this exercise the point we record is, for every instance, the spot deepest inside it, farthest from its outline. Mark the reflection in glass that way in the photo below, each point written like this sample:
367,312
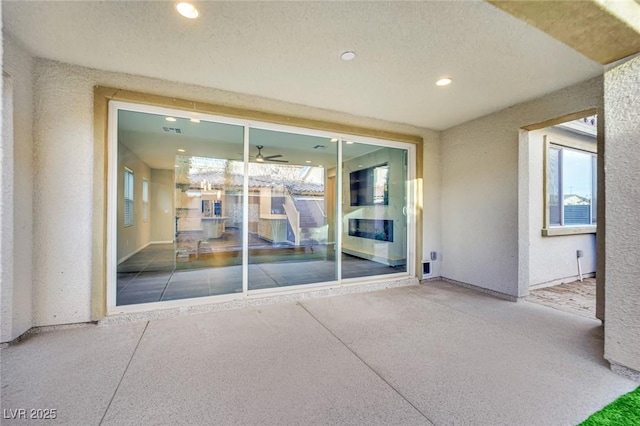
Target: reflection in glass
577,187
182,209
189,242
369,187
594,185
554,187
374,222
290,202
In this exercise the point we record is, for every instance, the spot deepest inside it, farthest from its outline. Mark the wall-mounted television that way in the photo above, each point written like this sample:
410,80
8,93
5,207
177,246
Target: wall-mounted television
370,186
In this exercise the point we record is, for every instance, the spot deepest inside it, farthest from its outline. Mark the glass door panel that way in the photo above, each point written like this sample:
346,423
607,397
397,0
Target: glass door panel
181,208
181,237
374,208
291,237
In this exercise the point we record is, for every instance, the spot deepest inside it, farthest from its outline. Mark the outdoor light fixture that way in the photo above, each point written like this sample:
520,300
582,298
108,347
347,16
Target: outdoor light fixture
187,10
348,55
445,81
170,119
195,120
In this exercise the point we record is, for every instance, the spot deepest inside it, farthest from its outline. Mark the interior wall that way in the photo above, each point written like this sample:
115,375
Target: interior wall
16,200
553,260
480,198
622,181
132,239
64,134
161,202
381,251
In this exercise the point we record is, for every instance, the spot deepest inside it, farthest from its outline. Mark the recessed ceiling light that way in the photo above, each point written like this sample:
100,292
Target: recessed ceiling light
181,150
176,166
319,165
360,165
334,139
348,55
170,119
445,81
308,161
349,142
187,10
194,120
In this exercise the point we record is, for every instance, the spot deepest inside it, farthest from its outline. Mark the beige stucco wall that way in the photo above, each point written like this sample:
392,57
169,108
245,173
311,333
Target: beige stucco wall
622,180
552,260
64,136
162,211
480,189
132,239
16,181
432,190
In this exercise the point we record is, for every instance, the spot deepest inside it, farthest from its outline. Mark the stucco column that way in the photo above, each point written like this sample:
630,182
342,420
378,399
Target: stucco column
622,186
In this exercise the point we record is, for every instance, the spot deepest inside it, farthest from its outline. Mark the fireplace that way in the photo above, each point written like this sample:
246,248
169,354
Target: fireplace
373,229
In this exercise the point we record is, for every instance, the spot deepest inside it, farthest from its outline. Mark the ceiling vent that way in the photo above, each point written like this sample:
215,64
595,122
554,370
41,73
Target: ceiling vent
175,130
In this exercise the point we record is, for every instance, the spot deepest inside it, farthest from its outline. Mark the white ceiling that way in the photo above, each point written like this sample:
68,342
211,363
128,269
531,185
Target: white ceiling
290,51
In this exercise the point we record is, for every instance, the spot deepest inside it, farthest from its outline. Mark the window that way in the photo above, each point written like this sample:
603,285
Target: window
145,200
128,197
572,180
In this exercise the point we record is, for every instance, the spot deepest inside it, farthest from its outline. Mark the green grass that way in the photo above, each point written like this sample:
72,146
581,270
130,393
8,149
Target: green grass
624,411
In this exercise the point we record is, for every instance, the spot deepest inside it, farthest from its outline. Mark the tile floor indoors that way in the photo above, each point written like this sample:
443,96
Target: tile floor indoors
433,353
153,274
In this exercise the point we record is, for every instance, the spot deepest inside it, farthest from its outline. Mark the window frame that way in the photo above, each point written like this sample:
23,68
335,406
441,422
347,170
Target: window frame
548,229
126,199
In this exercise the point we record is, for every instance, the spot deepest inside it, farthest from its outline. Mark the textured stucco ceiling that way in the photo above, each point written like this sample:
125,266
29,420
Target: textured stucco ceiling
290,51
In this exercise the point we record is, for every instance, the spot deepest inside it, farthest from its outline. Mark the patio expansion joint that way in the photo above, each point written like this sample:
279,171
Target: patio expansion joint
123,374
396,390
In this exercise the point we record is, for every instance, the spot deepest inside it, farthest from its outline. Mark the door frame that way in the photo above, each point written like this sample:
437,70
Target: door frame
108,101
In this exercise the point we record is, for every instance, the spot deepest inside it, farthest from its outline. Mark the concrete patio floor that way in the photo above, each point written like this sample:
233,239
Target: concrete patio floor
429,354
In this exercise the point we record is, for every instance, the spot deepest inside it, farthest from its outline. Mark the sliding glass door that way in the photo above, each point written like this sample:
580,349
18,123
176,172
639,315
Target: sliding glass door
374,210
209,206
289,238
182,236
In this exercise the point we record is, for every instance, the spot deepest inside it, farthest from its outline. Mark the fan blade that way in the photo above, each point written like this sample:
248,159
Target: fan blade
277,161
272,156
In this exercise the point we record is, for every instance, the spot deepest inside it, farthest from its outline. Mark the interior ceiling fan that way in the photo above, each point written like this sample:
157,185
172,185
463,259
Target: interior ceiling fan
261,158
